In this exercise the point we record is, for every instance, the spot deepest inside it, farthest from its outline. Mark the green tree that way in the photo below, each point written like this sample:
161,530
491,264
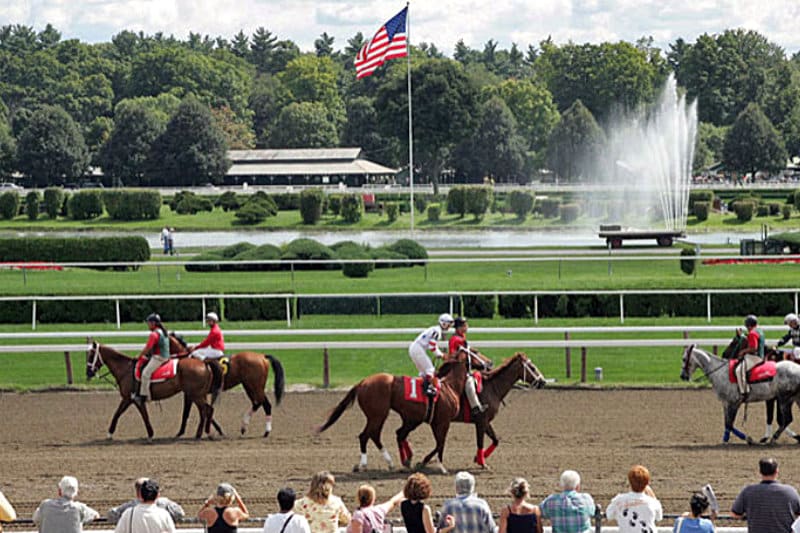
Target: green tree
8,148
304,125
533,107
360,130
238,133
310,78
124,157
269,96
574,142
51,148
191,150
753,143
709,144
324,45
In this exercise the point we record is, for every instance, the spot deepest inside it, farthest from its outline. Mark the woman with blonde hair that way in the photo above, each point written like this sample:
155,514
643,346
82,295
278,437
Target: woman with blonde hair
223,510
324,511
369,518
520,516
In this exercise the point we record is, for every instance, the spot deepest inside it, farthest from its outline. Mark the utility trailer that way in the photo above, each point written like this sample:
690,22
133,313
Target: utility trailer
614,235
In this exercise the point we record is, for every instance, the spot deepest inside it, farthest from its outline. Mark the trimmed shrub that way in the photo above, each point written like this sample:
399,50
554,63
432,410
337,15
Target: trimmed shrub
548,207
341,245
385,253
774,208
421,202
333,205
796,199
700,196
311,205
411,249
392,211
85,205
228,201
688,265
762,210
477,200
305,249
53,201
191,204
78,249
9,205
132,205
744,210
355,270
434,212
786,211
229,252
701,210
457,201
207,256
520,203
352,208
32,205
265,252
255,308
287,201
569,212
251,213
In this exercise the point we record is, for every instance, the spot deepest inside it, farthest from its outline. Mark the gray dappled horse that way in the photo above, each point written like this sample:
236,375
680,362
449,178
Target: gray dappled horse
784,386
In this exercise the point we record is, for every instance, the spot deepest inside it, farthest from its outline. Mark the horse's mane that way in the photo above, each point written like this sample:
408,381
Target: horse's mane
448,367
107,347
505,364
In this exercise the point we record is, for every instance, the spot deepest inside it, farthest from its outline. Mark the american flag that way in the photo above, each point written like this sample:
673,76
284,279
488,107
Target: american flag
388,43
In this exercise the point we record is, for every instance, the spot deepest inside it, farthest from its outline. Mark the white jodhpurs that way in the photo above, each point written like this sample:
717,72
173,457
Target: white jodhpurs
147,373
421,360
207,353
471,391
749,361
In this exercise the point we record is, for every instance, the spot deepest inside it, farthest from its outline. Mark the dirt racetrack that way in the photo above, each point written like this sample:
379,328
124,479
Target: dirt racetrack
599,433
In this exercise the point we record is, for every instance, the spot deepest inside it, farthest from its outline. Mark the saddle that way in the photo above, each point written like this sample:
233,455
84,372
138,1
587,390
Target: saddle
413,391
465,410
758,374
166,371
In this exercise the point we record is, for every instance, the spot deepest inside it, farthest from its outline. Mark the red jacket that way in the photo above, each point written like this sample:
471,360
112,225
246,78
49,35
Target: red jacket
456,342
214,339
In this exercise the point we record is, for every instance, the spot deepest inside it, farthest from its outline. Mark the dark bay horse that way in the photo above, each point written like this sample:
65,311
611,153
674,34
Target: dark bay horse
496,385
379,393
194,378
251,370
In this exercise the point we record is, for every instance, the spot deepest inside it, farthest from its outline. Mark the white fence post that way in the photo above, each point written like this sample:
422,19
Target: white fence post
708,307
116,305
288,313
621,308
202,318
535,309
33,316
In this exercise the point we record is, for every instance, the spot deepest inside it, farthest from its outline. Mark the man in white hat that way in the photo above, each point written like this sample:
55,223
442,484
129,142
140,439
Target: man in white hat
64,514
213,346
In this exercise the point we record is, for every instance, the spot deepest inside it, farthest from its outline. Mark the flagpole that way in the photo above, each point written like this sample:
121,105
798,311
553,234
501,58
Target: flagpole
410,124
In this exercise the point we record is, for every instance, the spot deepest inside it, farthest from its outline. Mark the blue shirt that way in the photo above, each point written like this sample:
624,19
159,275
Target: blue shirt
471,514
693,525
569,511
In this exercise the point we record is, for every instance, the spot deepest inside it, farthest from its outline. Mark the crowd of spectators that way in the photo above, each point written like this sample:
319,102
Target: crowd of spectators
765,506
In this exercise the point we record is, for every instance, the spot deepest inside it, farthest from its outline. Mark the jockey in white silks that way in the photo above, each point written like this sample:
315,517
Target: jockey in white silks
426,341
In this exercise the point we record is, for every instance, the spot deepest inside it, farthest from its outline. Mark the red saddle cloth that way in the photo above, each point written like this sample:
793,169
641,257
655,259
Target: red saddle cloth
166,371
413,390
763,372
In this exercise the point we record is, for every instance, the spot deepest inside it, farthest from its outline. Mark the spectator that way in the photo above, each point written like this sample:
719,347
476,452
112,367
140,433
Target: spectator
146,516
520,516
370,517
324,511
7,512
636,511
417,515
64,514
171,239
468,512
223,510
569,511
165,239
694,522
769,505
175,511
286,521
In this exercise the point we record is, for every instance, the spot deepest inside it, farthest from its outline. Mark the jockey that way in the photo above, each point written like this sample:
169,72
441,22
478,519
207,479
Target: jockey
793,322
158,347
213,346
751,355
428,340
458,342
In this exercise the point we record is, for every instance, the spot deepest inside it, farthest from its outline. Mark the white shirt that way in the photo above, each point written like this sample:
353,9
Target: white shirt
145,518
796,526
429,338
298,523
635,512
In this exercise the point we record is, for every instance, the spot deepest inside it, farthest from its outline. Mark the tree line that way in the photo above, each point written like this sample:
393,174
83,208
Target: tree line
157,110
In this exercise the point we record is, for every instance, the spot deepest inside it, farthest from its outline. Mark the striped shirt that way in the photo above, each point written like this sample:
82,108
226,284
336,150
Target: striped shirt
471,515
768,506
429,339
569,511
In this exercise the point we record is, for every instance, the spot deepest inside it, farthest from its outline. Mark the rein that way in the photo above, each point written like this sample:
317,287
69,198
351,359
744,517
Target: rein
707,375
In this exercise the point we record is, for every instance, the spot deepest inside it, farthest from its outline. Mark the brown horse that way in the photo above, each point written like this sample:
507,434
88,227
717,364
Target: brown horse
380,393
496,385
194,378
251,370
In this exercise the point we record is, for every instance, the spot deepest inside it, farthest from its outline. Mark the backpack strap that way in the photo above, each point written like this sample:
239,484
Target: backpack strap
291,515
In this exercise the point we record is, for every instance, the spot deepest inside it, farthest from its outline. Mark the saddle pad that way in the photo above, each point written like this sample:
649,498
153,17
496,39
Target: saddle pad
763,372
413,391
166,371
478,381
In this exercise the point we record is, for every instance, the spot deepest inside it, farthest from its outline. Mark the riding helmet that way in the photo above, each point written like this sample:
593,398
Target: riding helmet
212,316
153,317
445,319
459,322
750,321
791,317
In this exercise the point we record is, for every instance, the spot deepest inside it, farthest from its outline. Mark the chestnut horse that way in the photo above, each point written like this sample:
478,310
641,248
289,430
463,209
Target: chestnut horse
379,393
251,370
194,378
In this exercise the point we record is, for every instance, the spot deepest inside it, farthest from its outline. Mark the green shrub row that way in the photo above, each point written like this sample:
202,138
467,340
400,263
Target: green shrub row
85,205
124,204
75,250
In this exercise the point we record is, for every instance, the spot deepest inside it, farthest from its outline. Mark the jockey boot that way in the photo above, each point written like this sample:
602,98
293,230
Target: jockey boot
428,386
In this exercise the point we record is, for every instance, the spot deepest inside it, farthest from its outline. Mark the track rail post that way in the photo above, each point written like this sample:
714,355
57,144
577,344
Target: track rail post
68,364
568,356
326,368
583,364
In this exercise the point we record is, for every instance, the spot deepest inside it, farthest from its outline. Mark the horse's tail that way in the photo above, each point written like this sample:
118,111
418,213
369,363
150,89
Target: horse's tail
280,377
217,379
339,409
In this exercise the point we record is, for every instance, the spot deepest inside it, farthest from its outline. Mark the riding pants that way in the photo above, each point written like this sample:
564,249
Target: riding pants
147,373
421,360
748,362
207,353
471,391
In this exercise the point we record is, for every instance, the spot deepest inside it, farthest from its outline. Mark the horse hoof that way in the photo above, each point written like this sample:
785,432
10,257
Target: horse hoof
407,463
242,430
109,436
750,441
763,440
797,438
360,468
266,434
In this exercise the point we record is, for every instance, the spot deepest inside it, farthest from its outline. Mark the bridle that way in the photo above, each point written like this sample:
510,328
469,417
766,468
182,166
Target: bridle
529,368
474,356
687,354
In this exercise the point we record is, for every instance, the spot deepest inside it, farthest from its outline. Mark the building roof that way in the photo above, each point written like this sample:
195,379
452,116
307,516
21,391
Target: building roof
294,154
303,168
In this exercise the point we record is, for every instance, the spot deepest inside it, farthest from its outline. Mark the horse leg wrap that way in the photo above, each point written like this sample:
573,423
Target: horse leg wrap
480,458
406,450
388,457
739,433
490,450
363,461
268,426
726,436
403,456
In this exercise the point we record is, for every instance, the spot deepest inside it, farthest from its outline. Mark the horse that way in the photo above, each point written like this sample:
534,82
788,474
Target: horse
194,378
770,354
251,370
496,385
784,386
379,393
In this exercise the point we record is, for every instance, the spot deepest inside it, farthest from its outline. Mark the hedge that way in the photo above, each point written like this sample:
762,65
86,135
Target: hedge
521,203
85,205
701,210
786,211
188,203
352,208
434,212
9,205
548,207
75,250
304,249
32,201
132,204
355,270
700,196
311,205
254,308
744,210
569,212
457,201
53,201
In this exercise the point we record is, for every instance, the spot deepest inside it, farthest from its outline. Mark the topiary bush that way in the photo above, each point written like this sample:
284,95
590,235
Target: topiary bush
796,199
786,211
457,201
333,205
392,211
744,210
265,252
287,201
352,208
229,252
228,201
701,210
132,204
569,212
191,204
548,207
420,202
410,249
305,249
207,256
53,201
688,265
355,270
32,205
700,196
478,200
85,205
434,212
251,213
520,203
762,210
385,253
311,205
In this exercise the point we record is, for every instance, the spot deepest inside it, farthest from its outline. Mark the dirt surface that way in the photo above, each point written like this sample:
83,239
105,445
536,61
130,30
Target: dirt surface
676,434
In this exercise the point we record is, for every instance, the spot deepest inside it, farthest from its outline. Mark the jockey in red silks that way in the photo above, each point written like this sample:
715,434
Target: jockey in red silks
751,355
213,346
429,340
458,342
158,348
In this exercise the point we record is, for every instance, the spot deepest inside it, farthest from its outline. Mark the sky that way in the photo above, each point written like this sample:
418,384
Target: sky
442,22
